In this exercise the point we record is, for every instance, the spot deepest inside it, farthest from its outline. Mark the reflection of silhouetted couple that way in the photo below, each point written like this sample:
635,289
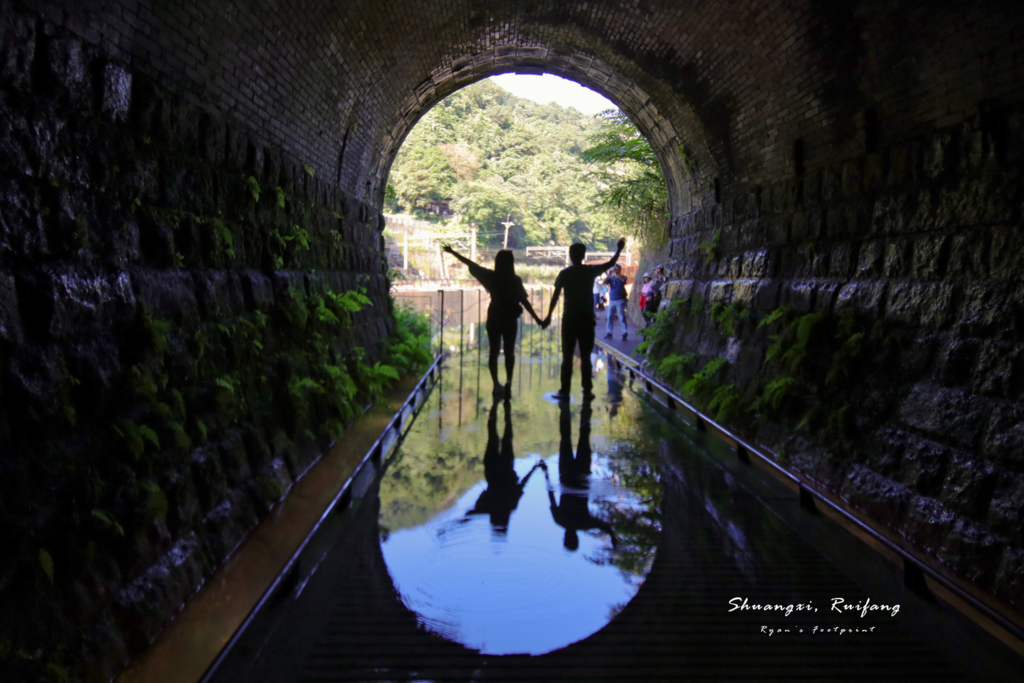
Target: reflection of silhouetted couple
572,511
504,489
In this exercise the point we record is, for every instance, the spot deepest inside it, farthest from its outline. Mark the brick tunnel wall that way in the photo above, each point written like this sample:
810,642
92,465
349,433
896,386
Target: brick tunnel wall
905,219
919,243
856,156
160,272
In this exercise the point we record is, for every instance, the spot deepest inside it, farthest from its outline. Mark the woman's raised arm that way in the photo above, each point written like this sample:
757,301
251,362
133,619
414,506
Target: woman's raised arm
475,269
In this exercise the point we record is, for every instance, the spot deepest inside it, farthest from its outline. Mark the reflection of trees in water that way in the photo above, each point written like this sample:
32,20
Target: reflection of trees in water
428,476
421,483
636,517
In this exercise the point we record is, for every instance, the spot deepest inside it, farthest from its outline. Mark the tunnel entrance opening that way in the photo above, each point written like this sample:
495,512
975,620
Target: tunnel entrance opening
484,170
678,171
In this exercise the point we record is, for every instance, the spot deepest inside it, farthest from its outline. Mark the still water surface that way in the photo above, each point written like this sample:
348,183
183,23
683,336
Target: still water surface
605,538
527,529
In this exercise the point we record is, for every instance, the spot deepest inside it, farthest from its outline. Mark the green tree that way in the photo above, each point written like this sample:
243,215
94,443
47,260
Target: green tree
390,199
463,161
507,156
425,175
488,205
633,184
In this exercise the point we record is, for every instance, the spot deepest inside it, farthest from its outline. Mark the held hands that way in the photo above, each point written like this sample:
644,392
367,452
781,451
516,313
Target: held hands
546,323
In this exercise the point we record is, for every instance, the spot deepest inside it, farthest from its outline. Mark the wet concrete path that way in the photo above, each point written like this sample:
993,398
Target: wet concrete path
607,541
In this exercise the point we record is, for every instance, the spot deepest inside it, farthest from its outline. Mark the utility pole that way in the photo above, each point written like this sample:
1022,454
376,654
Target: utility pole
472,248
442,266
508,224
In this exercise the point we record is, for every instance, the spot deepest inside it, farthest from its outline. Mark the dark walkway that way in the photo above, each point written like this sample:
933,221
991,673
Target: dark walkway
692,530
616,341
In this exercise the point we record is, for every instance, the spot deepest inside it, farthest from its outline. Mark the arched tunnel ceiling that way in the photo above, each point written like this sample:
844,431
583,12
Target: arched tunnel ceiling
738,84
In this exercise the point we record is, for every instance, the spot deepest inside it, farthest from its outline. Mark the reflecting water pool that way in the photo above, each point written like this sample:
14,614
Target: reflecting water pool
527,529
607,541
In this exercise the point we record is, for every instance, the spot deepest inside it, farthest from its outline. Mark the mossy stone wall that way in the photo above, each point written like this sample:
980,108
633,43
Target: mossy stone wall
174,296
919,248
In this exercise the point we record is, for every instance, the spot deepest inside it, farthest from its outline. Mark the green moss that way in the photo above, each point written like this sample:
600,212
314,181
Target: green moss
710,247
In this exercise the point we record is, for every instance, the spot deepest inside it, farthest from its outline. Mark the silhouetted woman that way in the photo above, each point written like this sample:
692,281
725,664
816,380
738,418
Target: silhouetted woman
504,488
508,298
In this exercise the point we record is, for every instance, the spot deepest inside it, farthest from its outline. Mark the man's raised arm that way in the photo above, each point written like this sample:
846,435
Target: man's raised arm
603,267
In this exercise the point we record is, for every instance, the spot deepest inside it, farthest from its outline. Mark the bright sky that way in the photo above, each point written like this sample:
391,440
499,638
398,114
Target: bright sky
549,88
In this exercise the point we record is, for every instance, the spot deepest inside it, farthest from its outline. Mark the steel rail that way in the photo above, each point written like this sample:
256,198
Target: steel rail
915,569
340,502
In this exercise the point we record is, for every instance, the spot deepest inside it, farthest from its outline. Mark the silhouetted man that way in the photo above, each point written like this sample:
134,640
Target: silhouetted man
572,510
503,486
578,318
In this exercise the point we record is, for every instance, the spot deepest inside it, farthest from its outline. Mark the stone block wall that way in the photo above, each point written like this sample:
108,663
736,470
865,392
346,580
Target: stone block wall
163,281
920,242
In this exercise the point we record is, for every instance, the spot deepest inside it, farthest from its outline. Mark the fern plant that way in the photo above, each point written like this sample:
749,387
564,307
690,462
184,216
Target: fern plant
726,402
410,351
710,247
351,301
377,378
727,315
225,390
662,328
223,235
702,385
775,392
254,188
782,313
674,367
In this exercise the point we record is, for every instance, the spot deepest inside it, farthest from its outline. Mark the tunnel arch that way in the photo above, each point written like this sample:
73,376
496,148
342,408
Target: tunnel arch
755,94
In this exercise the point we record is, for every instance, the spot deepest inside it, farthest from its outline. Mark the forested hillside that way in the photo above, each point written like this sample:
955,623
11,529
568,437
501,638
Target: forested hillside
491,155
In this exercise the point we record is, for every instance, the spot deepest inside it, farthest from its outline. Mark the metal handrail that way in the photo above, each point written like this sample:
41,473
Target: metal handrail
343,497
913,566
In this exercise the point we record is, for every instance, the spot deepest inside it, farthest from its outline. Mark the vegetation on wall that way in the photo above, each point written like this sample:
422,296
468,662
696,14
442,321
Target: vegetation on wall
836,376
127,497
186,403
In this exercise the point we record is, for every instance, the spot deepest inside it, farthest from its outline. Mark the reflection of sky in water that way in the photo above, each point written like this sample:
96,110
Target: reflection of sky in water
519,591
501,583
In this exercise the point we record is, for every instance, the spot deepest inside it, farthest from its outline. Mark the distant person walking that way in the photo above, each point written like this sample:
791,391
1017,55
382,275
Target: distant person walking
616,302
578,317
508,298
597,294
645,291
656,293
